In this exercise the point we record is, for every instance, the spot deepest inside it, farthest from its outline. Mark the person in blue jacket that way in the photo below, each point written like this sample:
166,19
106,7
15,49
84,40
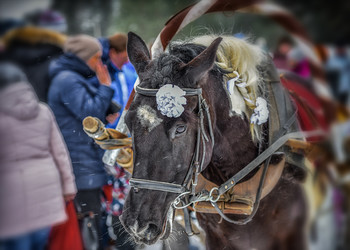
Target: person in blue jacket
123,77
122,72
80,87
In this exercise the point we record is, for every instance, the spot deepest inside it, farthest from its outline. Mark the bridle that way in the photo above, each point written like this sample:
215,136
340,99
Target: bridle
190,182
186,190
187,193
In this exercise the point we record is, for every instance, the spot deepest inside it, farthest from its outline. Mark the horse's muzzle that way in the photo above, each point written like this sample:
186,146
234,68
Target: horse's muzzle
148,234
144,229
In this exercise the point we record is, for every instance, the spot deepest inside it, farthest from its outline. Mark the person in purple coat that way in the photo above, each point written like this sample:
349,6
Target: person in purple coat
36,174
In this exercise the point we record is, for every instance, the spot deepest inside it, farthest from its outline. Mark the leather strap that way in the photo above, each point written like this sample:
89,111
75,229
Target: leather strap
187,220
153,92
263,156
156,185
256,203
247,190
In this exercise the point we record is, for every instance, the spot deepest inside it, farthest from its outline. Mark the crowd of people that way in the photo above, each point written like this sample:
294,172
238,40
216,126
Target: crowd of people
336,65
49,83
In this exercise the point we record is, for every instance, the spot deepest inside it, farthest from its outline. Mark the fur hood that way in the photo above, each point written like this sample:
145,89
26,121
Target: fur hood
34,35
30,46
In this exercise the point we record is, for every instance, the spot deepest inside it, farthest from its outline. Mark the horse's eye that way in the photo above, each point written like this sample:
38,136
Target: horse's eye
180,129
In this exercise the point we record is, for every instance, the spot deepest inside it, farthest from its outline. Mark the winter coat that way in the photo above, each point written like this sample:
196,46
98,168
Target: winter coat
123,80
74,94
33,49
122,83
35,168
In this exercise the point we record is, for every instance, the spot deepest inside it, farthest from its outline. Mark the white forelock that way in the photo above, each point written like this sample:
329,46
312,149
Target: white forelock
148,117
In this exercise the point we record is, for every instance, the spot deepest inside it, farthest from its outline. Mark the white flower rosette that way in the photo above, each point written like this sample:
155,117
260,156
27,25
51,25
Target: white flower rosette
261,112
170,100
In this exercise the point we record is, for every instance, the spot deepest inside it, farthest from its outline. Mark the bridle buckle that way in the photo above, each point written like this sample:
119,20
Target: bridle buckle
212,197
178,200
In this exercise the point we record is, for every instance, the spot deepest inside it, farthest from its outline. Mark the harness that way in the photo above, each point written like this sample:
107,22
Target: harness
188,191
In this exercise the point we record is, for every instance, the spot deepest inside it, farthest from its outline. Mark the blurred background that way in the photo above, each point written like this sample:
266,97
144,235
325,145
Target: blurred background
326,24
325,21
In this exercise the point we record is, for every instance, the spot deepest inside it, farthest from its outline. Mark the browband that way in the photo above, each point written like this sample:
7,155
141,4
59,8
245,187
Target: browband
153,92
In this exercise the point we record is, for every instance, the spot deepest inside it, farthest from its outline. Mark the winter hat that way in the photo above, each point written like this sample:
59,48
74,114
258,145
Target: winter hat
48,19
83,46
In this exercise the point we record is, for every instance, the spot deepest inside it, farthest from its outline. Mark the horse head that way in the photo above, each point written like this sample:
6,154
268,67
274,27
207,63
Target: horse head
164,137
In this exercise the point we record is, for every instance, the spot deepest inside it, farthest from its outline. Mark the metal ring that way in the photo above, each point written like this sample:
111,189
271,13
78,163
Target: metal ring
211,195
181,207
177,200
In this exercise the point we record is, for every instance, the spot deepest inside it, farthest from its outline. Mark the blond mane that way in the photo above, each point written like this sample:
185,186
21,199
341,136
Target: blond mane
239,56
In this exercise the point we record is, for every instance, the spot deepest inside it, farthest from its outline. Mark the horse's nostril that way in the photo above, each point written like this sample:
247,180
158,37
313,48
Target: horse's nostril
152,228
151,232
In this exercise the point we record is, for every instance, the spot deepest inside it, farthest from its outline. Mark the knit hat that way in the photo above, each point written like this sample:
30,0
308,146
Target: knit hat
83,46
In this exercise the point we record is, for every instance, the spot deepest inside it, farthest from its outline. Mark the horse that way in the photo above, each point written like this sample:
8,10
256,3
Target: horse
170,134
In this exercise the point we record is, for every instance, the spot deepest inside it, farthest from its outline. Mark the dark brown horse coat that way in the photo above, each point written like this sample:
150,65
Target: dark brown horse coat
163,149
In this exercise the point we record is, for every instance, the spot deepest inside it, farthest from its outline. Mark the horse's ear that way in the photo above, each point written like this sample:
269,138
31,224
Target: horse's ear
203,62
137,52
